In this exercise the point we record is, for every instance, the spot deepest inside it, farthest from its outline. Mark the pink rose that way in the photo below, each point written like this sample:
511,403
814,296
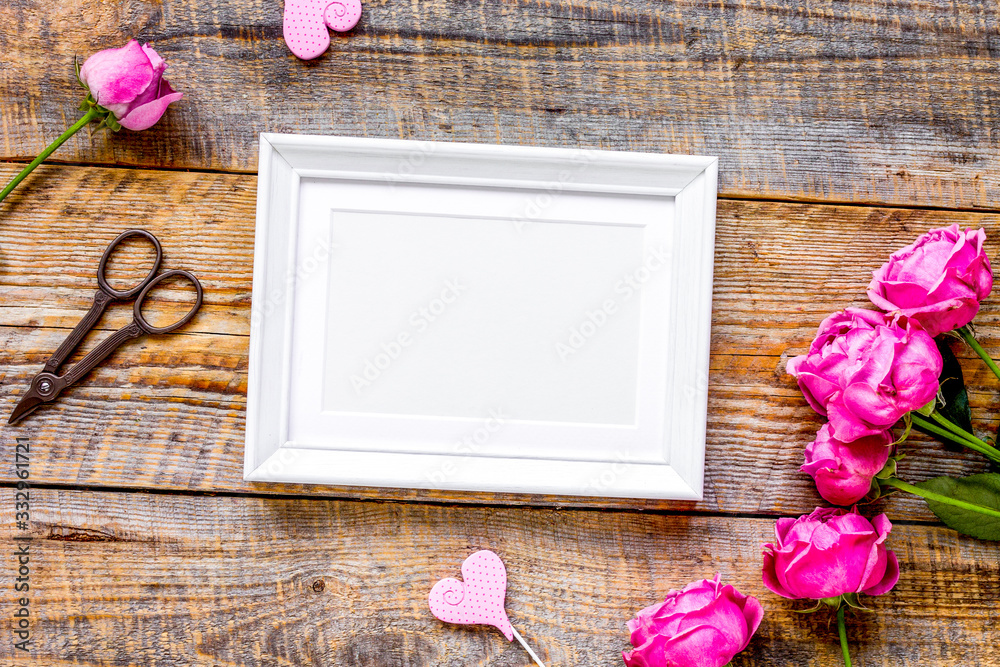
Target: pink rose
865,372
937,281
844,471
129,82
704,625
829,553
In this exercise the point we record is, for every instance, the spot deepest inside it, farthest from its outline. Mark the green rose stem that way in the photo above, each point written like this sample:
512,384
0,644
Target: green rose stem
842,628
955,428
956,435
966,334
92,114
938,498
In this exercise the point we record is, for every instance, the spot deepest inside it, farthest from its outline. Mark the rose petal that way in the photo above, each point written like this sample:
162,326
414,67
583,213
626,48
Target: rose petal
117,76
145,116
770,576
902,292
158,88
753,612
843,472
889,579
937,281
832,569
843,553
715,625
702,645
158,63
847,426
871,407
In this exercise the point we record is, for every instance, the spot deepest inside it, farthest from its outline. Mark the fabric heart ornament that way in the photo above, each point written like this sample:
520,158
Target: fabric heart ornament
479,598
305,24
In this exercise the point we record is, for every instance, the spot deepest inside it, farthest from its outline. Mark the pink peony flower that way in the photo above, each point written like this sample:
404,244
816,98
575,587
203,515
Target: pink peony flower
704,625
844,471
937,281
865,372
829,553
129,82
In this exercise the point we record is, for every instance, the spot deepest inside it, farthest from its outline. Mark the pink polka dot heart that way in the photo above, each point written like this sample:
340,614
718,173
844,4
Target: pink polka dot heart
306,22
479,599
342,16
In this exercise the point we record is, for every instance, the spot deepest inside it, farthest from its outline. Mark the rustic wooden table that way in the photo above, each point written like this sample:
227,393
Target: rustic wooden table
844,129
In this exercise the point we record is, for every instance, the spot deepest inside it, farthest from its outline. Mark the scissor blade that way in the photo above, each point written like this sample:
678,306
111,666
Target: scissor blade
29,402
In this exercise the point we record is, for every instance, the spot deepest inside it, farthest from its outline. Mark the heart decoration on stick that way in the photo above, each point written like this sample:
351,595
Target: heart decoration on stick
479,598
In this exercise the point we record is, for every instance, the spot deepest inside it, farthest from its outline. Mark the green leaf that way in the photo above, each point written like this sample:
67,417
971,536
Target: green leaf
982,489
76,66
956,398
876,490
890,468
852,601
810,610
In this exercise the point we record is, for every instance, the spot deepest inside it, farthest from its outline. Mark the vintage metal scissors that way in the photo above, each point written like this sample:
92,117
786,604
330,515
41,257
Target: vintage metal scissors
46,386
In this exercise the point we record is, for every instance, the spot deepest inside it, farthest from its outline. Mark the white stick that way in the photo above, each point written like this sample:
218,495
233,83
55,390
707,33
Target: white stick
526,647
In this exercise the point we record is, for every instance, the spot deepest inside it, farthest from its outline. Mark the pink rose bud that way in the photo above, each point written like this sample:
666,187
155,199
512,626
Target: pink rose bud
865,372
704,625
829,553
843,471
937,281
129,82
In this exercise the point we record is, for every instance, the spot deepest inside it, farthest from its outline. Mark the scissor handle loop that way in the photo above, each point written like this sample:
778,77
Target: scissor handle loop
141,320
146,282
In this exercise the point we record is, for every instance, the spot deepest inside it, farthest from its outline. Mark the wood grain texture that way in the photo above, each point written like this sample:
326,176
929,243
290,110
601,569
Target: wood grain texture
856,101
161,580
860,100
168,412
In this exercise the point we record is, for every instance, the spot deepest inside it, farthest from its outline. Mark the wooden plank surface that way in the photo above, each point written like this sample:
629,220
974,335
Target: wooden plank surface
157,579
168,412
869,104
859,100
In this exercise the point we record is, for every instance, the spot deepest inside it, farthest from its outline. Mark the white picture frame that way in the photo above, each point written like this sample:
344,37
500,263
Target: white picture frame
480,318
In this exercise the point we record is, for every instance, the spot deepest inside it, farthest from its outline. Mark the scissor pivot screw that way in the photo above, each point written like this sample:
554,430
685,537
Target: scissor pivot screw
44,386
